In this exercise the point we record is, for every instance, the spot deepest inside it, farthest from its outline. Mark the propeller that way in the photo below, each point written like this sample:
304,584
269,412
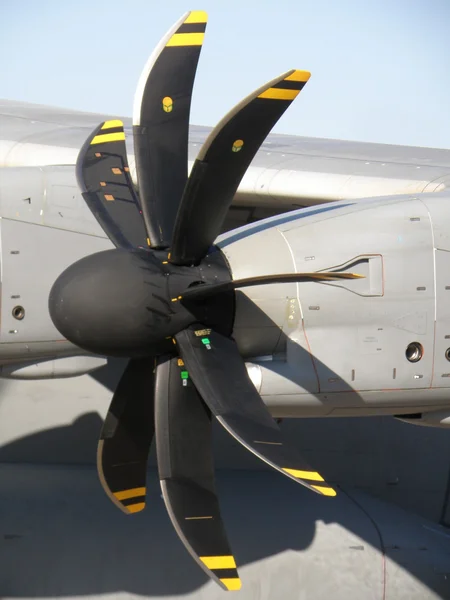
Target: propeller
164,297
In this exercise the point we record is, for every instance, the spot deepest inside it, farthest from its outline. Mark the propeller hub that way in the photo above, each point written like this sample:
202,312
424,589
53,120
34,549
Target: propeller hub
127,302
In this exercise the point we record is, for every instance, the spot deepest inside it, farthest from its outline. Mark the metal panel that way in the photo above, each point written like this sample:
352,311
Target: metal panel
441,372
32,258
359,343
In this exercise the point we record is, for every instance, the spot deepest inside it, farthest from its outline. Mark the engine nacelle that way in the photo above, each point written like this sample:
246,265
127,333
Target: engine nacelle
57,368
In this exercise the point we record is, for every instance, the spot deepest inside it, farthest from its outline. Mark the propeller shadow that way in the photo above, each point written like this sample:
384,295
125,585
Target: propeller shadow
59,528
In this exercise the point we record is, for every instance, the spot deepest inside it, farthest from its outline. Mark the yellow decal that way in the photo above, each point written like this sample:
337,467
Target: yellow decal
131,493
186,39
108,137
197,16
326,491
134,508
311,475
202,332
111,124
232,583
237,145
116,171
180,362
103,183
218,562
299,76
167,104
109,197
279,94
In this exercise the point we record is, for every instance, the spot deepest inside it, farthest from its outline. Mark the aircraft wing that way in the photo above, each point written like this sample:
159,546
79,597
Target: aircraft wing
288,171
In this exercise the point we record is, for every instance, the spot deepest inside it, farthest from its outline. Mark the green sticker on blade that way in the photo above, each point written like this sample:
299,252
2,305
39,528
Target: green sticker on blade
206,341
184,375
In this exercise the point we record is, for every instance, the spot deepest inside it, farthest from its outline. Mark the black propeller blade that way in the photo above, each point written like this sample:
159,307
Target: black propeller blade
126,437
161,124
186,471
217,369
147,301
105,182
222,162
198,292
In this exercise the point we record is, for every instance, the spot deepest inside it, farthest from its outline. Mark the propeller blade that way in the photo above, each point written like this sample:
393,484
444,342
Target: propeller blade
105,181
161,124
205,290
218,371
186,471
126,437
222,162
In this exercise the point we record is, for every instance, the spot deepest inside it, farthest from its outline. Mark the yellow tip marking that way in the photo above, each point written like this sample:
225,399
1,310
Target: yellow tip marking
197,16
237,145
299,76
279,94
148,242
131,493
109,197
311,475
232,583
134,508
186,39
165,262
174,299
111,124
219,562
326,491
108,137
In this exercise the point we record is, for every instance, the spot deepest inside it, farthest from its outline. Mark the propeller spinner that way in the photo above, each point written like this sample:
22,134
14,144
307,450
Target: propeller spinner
165,297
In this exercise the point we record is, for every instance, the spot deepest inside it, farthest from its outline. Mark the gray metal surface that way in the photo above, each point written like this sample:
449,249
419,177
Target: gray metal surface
288,170
29,249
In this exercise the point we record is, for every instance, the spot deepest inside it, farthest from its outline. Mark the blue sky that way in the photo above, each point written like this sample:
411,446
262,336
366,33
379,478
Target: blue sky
380,68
